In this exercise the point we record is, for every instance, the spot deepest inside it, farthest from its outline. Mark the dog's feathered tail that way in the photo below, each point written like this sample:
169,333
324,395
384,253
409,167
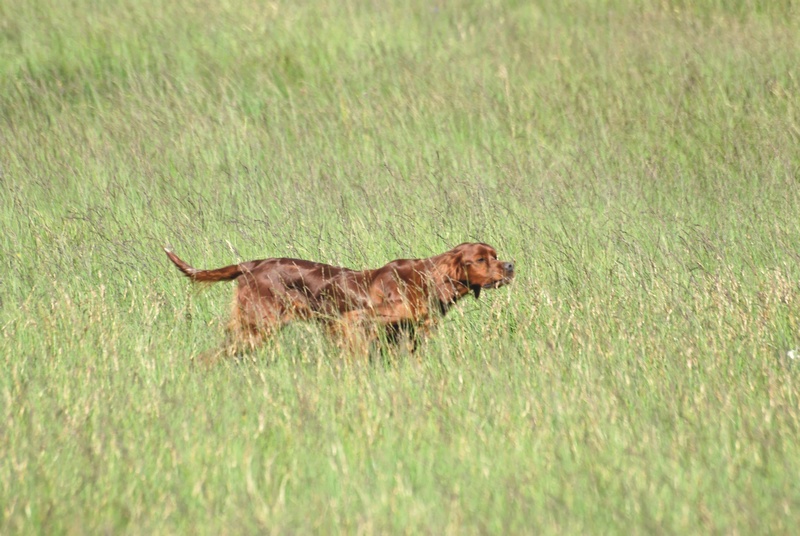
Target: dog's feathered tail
207,276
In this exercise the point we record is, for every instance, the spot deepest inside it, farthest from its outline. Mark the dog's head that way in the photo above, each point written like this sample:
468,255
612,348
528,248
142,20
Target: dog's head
476,266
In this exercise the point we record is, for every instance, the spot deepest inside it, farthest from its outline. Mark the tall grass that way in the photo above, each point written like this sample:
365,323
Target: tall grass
638,162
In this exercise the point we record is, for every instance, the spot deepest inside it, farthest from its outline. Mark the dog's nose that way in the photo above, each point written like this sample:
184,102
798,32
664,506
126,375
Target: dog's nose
508,267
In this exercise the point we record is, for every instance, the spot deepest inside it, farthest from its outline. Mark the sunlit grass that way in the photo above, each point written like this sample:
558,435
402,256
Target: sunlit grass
637,161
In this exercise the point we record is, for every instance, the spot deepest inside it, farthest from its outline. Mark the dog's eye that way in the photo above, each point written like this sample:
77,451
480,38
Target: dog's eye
481,260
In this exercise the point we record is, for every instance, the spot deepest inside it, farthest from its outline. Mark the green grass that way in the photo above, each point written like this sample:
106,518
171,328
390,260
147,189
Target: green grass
638,161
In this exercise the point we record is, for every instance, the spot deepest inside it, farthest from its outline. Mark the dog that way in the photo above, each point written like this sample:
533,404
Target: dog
403,298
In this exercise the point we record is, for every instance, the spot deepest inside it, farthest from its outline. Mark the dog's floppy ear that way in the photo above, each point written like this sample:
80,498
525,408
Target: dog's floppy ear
454,266
450,276
460,271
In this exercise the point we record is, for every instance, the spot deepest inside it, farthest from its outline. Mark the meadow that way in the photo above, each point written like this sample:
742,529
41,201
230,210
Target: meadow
638,161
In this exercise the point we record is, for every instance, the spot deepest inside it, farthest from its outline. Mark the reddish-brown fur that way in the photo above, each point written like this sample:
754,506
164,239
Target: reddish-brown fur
404,296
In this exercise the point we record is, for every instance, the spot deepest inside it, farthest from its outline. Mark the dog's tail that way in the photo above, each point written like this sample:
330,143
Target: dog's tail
206,276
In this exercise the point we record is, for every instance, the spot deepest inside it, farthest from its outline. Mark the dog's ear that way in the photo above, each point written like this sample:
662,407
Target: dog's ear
455,267
460,265
450,277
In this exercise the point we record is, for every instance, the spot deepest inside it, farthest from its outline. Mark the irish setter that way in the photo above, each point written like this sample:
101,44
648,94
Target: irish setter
403,297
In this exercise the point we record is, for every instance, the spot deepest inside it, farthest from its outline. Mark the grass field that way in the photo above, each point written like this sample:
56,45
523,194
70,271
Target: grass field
638,161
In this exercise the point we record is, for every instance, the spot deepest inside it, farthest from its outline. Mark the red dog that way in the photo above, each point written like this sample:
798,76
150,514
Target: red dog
403,296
